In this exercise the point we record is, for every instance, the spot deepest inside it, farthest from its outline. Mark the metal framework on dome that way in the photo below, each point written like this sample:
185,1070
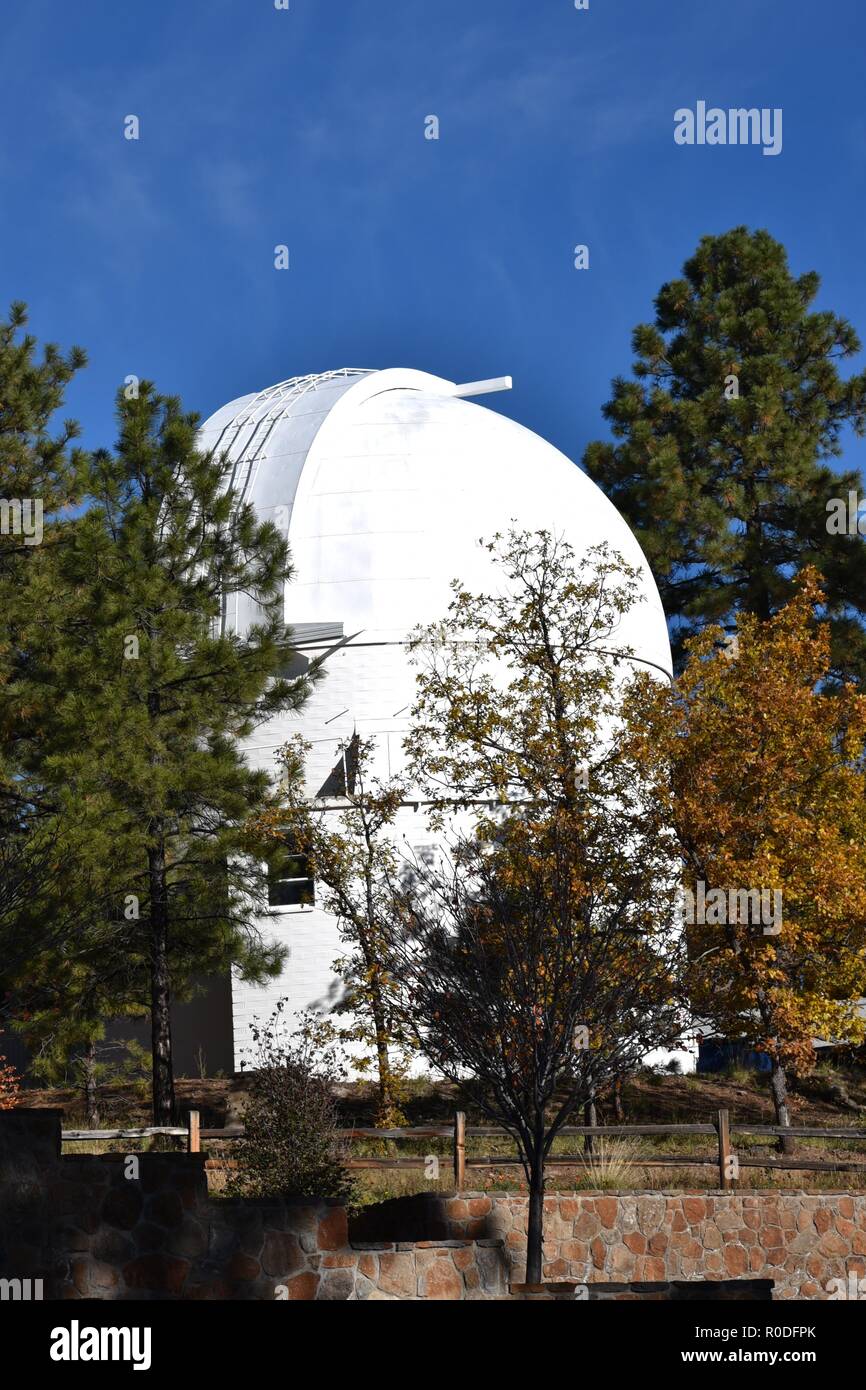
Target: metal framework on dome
251,428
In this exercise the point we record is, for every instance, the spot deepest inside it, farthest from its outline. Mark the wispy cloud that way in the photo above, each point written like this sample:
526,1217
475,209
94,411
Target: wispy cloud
231,188
108,186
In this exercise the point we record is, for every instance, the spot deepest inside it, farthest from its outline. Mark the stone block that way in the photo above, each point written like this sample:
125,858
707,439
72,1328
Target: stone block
336,1286
441,1282
164,1274
122,1206
243,1267
397,1274
281,1253
302,1287
165,1209
333,1232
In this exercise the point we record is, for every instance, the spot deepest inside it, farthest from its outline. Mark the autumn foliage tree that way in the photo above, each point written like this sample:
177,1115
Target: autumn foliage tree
538,958
350,850
767,791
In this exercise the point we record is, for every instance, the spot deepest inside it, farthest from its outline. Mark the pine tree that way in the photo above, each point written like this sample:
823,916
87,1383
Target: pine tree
40,481
722,441
152,701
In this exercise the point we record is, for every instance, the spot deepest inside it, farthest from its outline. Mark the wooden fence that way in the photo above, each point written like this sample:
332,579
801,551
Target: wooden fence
725,1158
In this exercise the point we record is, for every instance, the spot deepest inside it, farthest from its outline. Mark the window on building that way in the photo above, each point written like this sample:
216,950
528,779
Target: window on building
340,781
290,883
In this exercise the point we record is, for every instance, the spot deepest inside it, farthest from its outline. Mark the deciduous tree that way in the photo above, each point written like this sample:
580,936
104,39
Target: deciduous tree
348,843
767,791
538,960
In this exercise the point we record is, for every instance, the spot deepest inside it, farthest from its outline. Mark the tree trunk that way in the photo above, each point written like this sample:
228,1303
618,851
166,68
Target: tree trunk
367,936
618,1107
779,1091
91,1097
590,1117
387,1101
535,1228
160,990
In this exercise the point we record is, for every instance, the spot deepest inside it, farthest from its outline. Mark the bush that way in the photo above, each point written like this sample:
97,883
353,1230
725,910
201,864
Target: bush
291,1148
614,1164
10,1085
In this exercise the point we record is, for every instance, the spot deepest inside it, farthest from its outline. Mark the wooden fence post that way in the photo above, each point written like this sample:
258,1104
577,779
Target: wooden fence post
194,1137
460,1150
723,1127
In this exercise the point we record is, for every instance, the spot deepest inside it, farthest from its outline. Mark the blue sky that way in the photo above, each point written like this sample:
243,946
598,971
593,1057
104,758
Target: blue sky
306,127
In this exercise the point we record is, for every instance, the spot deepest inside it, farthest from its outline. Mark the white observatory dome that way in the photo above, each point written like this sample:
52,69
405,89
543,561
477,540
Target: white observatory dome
383,483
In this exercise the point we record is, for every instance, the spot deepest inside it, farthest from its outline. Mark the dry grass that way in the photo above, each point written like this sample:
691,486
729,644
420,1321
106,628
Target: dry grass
649,1097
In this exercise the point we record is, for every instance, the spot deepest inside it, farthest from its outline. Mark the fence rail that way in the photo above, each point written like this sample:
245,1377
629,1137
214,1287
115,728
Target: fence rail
726,1159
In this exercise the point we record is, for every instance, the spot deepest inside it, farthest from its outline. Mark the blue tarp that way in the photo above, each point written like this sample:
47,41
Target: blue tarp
717,1054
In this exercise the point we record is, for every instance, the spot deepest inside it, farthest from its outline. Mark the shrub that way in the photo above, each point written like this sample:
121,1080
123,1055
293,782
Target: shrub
615,1164
291,1148
10,1085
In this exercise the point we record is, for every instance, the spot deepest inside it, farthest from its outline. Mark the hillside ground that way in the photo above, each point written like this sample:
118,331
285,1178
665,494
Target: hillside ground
833,1096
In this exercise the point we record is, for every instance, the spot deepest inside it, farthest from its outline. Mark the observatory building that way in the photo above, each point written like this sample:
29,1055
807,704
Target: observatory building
384,482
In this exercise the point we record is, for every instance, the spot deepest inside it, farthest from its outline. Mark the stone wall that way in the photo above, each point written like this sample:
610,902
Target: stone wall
88,1229
798,1240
